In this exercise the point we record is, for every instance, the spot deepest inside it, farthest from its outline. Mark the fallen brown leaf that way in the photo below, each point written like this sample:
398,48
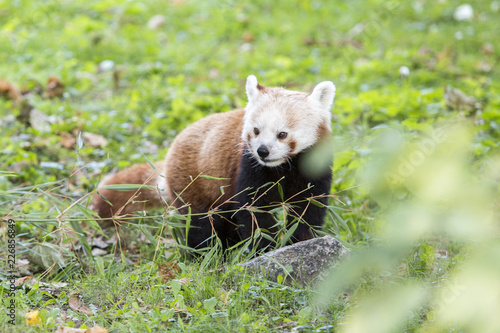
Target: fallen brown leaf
77,305
167,271
67,140
9,90
184,281
22,280
30,281
224,296
97,329
55,88
53,291
441,254
488,49
248,37
94,140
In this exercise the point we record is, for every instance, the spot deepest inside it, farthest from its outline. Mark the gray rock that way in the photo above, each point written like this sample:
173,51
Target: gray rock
456,100
302,262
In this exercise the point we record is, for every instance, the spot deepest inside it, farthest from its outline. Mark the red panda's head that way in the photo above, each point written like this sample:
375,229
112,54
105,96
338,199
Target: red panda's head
280,123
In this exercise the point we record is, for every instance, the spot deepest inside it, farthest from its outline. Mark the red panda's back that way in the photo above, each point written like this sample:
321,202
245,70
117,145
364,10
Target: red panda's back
211,146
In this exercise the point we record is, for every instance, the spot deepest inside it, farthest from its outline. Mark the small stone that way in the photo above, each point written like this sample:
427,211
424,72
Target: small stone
404,71
246,47
484,66
94,140
213,73
457,100
39,121
463,13
106,65
495,6
303,261
156,22
99,252
488,48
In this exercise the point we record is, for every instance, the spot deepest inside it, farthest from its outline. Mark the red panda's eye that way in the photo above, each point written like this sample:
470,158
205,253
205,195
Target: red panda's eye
282,135
256,131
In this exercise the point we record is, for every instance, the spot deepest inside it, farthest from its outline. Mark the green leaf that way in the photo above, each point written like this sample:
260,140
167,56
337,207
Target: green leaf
100,266
209,304
316,203
212,177
280,191
336,218
79,141
188,224
128,187
7,174
148,235
46,256
267,236
175,286
208,257
289,234
80,234
305,314
150,163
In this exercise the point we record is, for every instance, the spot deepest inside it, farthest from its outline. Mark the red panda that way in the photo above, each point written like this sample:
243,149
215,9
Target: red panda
246,152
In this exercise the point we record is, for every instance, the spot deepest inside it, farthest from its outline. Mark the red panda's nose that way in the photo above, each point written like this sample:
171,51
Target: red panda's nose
263,152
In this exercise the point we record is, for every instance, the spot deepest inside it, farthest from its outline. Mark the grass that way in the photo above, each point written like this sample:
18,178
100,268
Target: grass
416,226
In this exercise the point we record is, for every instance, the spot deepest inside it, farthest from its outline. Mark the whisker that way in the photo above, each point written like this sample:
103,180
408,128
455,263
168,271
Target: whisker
289,161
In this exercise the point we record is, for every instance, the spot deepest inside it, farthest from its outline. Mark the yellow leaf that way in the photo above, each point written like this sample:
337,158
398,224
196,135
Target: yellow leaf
77,305
32,318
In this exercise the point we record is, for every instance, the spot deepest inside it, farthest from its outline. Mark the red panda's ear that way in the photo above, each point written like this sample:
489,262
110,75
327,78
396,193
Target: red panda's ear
252,87
324,93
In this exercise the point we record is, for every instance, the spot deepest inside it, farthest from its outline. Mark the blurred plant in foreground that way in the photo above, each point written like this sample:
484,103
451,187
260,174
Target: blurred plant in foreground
430,189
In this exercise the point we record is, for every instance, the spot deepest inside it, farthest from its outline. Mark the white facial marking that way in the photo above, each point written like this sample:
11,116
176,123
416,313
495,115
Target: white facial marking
275,110
270,124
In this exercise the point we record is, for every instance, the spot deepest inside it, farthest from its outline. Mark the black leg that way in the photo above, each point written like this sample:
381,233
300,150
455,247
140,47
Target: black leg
204,228
257,188
250,222
310,218
200,232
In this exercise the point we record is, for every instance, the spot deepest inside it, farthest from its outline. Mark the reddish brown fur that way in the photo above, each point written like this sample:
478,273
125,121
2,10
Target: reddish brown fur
211,146
323,132
124,202
193,153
